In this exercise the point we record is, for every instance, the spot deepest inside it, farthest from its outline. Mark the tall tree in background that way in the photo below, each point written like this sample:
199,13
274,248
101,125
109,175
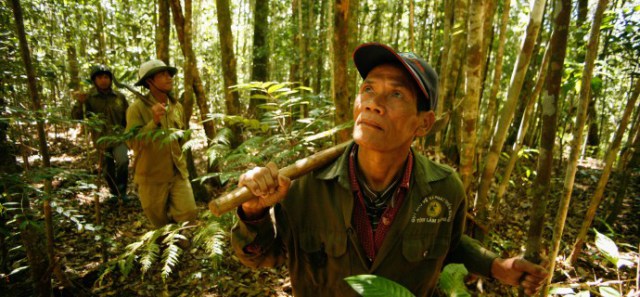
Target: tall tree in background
522,130
552,85
260,53
629,159
585,91
72,53
228,59
342,97
40,255
455,55
473,86
187,51
163,28
489,119
508,110
610,158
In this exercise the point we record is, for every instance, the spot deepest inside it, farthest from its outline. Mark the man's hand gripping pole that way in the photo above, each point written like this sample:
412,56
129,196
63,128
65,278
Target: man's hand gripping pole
301,167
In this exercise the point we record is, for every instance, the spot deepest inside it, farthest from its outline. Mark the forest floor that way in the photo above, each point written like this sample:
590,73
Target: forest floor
81,250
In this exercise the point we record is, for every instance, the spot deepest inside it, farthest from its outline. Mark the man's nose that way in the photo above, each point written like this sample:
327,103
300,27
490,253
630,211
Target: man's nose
375,103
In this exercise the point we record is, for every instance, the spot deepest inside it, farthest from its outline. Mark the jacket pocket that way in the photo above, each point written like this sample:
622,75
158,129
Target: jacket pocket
322,257
416,248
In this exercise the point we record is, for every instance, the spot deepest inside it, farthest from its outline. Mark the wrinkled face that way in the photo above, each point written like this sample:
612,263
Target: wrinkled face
163,81
102,81
385,111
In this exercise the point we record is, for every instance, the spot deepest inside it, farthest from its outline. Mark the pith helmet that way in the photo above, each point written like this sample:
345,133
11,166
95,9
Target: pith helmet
151,67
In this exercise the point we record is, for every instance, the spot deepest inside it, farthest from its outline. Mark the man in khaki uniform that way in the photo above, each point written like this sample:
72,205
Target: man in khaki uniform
381,208
160,167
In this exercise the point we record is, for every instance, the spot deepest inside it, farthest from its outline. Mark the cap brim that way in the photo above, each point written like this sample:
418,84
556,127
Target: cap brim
369,55
172,71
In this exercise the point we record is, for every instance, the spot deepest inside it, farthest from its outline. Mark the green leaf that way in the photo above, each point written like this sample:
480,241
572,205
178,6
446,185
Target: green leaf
607,247
451,280
609,292
368,285
561,291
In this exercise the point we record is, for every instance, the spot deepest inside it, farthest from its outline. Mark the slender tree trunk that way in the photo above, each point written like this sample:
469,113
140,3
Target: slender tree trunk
585,91
100,34
72,53
610,158
506,115
472,99
40,257
187,51
553,81
489,121
322,36
163,28
342,97
456,53
522,131
228,57
412,43
555,55
629,159
260,65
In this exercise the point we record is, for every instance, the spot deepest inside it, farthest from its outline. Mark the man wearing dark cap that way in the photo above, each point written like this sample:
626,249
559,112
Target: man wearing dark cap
109,107
380,208
160,168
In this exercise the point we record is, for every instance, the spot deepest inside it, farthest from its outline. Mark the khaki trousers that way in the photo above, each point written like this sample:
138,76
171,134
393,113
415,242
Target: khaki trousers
165,203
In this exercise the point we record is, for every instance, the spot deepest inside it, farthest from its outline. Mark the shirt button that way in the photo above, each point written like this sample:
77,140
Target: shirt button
424,255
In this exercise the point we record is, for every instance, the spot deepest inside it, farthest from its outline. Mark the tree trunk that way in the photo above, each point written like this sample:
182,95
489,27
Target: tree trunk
228,57
342,97
507,112
322,37
522,131
553,82
72,53
187,51
163,28
630,159
39,257
592,49
199,191
489,120
552,86
455,54
472,99
610,158
259,70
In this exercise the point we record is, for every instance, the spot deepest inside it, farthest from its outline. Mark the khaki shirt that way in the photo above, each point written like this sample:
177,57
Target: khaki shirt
315,236
158,159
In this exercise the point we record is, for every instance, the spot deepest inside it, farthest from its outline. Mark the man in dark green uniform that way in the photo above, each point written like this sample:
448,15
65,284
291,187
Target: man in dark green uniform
381,208
109,107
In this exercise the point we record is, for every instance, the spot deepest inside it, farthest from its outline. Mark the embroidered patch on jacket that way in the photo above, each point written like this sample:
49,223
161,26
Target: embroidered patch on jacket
433,209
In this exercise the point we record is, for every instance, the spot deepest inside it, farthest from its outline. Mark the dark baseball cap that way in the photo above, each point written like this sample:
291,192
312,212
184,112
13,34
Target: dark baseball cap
369,55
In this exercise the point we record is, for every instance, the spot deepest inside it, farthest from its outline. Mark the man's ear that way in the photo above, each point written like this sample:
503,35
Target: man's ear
427,118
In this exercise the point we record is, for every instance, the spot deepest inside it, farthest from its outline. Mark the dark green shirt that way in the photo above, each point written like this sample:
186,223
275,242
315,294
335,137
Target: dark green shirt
110,108
315,236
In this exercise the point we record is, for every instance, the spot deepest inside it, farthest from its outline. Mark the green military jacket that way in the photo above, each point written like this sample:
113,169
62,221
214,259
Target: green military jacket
315,236
158,158
110,108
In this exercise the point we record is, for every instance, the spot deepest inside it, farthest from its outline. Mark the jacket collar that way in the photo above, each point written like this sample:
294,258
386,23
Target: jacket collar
94,91
429,171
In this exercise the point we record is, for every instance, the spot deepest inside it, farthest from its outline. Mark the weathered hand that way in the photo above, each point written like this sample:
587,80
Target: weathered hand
267,185
80,96
159,110
510,271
